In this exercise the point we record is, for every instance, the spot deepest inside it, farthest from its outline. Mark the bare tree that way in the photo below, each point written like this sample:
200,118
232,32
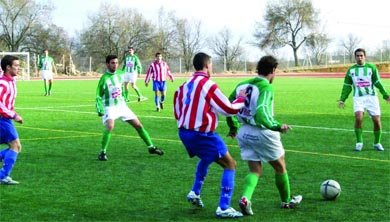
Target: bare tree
189,40
318,43
138,31
111,30
52,37
286,22
350,44
17,18
164,38
223,47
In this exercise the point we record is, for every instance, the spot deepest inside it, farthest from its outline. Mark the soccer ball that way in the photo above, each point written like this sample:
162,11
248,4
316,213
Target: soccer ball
330,189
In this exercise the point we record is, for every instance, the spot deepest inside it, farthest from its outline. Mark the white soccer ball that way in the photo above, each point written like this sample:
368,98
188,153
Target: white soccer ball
330,189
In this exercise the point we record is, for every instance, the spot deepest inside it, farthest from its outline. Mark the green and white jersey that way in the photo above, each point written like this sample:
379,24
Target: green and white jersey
362,79
109,91
259,104
132,64
45,63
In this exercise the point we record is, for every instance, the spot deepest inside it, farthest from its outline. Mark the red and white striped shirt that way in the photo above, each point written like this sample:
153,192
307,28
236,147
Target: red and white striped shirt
198,101
158,71
7,96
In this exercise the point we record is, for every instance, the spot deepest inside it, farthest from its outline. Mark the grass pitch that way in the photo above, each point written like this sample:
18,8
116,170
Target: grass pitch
62,180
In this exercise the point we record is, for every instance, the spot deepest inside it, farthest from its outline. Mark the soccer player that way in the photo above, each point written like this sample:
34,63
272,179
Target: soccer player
111,105
46,66
361,78
259,135
197,104
158,71
8,133
132,67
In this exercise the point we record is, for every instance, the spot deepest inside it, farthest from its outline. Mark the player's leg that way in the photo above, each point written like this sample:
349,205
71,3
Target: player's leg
200,176
134,121
374,111
283,184
250,183
227,185
45,86
377,133
9,155
281,179
106,138
50,85
126,93
359,105
156,100
162,92
9,160
359,130
133,80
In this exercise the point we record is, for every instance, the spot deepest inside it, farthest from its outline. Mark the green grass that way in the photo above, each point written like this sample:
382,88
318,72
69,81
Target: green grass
61,179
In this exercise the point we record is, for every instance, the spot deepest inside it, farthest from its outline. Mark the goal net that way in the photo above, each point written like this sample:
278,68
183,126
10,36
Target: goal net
24,58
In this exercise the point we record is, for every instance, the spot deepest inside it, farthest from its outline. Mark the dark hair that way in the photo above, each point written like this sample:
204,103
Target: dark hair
7,61
157,54
130,47
201,60
360,50
110,57
266,65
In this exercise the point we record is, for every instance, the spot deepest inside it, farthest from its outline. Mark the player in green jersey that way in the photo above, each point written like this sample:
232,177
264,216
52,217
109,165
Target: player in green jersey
132,67
361,79
111,105
46,66
259,135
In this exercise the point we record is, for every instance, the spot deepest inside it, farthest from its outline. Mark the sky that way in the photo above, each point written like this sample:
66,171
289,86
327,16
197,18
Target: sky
364,19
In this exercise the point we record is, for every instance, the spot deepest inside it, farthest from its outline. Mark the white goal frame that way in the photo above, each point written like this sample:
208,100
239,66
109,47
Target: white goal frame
27,54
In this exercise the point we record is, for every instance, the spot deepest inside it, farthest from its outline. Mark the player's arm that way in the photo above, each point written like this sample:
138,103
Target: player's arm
222,104
149,74
169,73
138,65
264,115
347,88
54,66
99,95
232,121
4,111
378,84
124,64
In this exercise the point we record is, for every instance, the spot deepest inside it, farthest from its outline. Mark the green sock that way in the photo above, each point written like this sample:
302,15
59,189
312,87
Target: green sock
377,136
137,91
359,135
250,185
49,87
283,184
106,139
126,94
45,88
144,136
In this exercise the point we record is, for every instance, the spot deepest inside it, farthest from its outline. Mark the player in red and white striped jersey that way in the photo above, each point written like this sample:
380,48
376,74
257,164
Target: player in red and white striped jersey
158,72
8,133
196,106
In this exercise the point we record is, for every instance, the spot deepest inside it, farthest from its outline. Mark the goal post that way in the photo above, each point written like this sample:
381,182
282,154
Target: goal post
25,63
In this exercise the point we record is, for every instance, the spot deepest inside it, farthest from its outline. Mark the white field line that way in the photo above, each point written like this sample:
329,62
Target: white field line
89,134
53,109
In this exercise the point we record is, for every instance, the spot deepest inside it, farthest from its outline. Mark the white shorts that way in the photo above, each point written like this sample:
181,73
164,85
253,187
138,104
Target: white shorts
120,111
47,74
369,103
257,144
130,77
